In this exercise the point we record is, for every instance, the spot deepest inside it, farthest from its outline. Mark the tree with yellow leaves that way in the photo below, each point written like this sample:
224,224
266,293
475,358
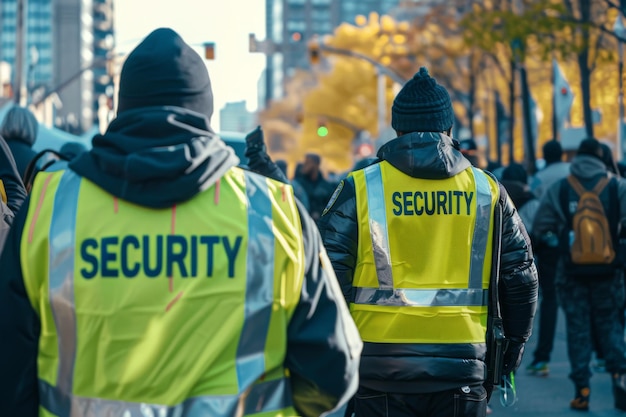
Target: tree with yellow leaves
346,99
576,32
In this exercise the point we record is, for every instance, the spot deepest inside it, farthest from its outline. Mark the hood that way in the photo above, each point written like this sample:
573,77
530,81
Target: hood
424,155
156,156
165,71
587,167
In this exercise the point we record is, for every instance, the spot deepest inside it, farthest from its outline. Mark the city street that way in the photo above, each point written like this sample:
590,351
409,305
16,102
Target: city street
550,396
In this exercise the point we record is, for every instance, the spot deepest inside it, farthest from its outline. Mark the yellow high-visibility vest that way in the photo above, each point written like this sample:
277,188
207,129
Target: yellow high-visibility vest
180,311
424,256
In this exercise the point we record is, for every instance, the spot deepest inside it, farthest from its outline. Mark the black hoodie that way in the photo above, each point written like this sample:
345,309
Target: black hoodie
156,157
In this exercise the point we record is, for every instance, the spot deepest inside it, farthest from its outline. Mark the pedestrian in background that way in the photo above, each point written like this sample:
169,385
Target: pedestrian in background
395,234
19,128
591,294
155,277
515,180
259,161
547,254
555,169
317,188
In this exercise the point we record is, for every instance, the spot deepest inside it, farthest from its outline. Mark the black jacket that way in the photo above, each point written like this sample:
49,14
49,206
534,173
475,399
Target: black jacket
23,154
16,193
14,188
430,368
157,157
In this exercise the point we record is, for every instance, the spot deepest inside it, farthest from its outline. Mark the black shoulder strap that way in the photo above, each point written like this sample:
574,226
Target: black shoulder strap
494,303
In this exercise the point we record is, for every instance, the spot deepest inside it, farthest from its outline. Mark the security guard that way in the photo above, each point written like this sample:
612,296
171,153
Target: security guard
155,277
410,239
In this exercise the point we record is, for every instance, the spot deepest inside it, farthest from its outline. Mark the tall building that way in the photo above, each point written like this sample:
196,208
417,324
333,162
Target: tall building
235,117
38,49
291,24
68,45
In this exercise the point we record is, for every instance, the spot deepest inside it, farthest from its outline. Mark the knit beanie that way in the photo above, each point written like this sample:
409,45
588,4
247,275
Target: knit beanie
164,71
422,106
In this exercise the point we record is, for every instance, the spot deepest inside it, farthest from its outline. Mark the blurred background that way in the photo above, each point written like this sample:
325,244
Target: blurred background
320,75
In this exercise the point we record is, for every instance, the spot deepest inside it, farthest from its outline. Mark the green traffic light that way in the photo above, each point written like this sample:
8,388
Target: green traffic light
322,131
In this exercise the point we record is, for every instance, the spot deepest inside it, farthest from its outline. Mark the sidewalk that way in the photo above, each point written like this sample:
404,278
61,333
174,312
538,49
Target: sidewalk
550,396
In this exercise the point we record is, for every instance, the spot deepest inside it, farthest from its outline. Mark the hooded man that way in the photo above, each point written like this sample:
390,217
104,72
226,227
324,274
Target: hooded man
591,294
410,239
155,277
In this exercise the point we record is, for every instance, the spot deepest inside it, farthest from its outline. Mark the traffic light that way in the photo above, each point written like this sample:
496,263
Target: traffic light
209,50
322,130
314,53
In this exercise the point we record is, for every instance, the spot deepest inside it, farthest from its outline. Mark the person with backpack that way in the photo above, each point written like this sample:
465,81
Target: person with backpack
586,211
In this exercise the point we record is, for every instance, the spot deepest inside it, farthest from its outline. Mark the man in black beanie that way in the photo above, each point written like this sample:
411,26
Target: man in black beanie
591,293
411,240
155,277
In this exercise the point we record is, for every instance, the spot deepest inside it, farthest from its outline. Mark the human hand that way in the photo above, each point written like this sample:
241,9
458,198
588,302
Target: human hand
512,357
255,142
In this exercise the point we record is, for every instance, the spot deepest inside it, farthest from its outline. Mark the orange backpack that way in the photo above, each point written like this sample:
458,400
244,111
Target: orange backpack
593,242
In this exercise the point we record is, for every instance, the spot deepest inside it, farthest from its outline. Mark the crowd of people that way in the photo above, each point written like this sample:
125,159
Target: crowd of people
154,275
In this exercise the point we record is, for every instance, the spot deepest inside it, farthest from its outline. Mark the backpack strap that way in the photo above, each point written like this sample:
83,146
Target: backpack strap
578,187
600,185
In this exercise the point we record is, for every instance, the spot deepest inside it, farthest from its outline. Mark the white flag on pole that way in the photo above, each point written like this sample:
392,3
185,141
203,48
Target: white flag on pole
563,96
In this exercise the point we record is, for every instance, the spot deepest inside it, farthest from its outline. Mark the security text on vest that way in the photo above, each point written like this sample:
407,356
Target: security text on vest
418,203
188,256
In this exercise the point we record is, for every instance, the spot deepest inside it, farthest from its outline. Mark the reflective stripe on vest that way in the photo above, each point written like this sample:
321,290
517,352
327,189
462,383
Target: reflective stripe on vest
259,289
262,397
481,235
474,295
410,297
379,232
265,396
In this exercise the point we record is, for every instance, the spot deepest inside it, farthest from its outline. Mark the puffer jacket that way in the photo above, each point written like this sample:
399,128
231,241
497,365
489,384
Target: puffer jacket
383,366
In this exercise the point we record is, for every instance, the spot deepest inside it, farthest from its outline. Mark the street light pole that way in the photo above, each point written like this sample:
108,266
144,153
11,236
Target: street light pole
382,103
379,67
